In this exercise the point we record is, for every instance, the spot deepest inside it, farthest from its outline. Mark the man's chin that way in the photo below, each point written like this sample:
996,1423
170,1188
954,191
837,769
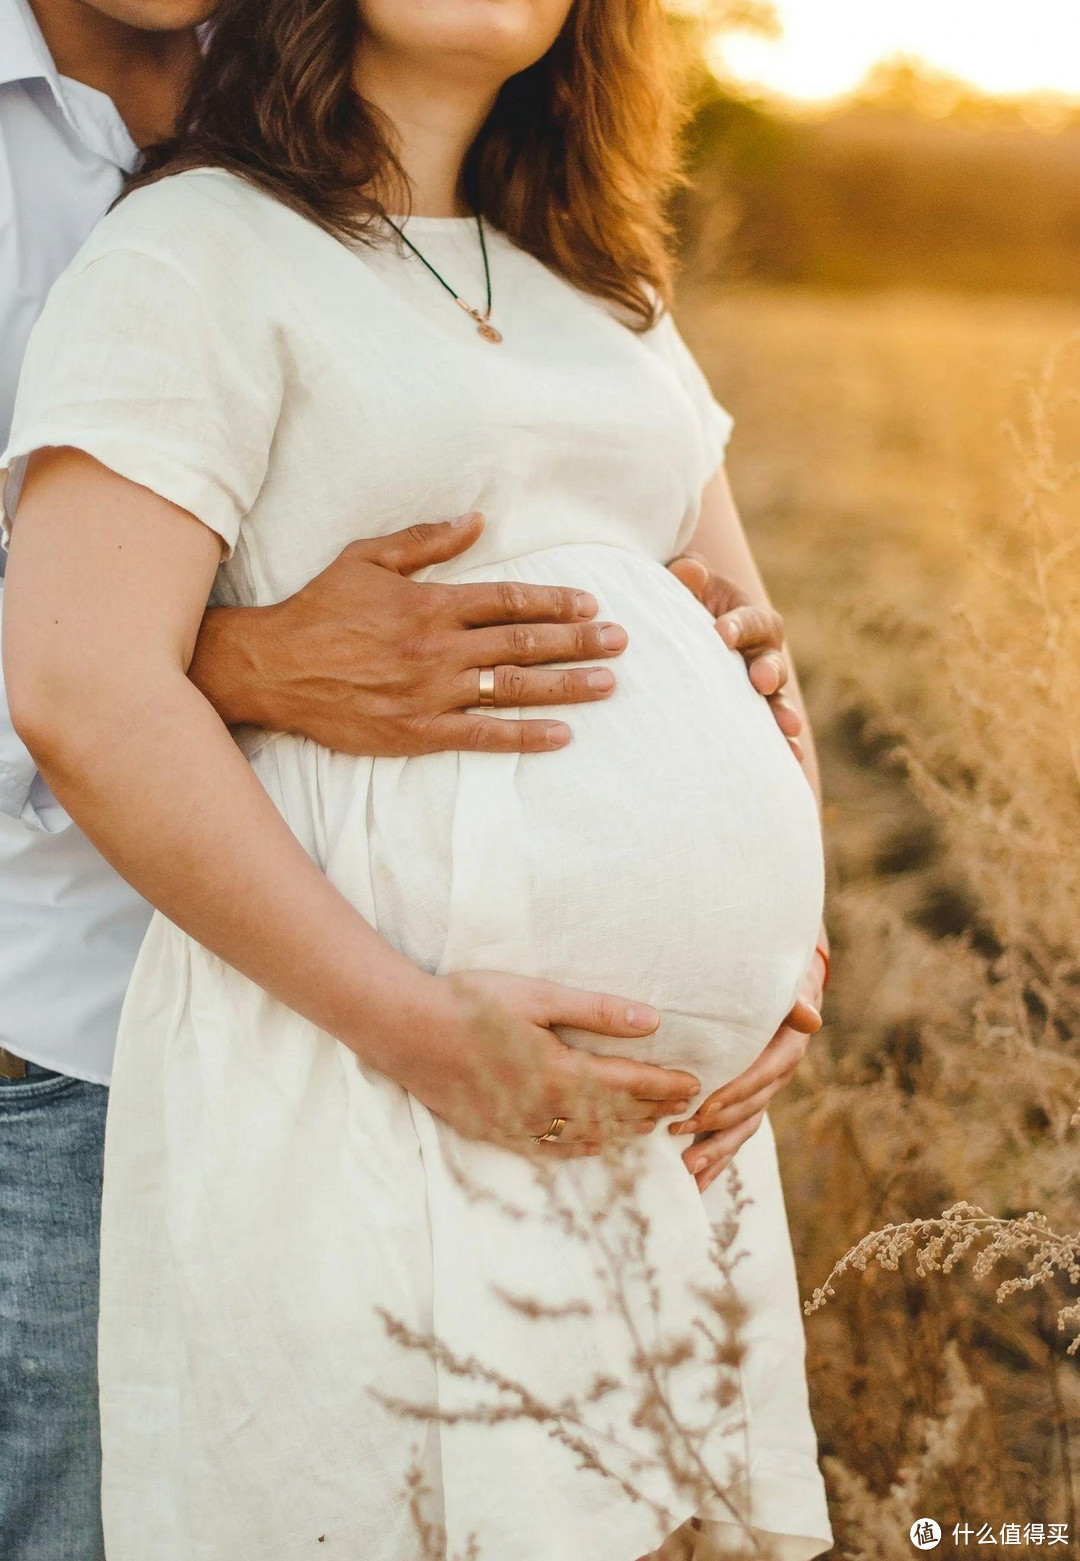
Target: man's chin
158,16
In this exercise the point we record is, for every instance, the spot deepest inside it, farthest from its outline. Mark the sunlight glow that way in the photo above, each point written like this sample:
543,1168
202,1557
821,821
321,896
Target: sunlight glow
827,46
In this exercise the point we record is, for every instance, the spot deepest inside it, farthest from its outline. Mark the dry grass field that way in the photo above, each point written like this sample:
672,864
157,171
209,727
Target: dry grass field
874,465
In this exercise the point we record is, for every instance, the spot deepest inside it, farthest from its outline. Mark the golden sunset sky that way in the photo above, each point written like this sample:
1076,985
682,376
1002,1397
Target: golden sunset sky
1005,47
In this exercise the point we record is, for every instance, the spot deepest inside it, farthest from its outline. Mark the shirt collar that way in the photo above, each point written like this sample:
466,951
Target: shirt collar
24,56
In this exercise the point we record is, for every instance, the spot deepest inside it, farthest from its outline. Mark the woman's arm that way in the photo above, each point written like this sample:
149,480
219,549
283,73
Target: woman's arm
731,1115
105,592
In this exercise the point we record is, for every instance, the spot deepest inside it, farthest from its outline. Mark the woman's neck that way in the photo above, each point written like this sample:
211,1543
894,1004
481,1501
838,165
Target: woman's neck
435,118
145,73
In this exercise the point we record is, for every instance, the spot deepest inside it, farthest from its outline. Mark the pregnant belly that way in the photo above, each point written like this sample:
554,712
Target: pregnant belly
675,845
670,853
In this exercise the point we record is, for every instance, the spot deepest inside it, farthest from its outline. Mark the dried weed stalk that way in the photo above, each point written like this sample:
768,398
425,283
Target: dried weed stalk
614,1234
1001,778
882,1524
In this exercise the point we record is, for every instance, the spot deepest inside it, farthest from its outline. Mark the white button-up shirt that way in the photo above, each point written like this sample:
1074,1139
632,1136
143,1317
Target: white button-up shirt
69,926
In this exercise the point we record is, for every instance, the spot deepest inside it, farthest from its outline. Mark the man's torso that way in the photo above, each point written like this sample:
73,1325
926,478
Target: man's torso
69,926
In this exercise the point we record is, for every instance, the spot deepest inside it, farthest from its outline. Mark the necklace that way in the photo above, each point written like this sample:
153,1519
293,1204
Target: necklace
483,321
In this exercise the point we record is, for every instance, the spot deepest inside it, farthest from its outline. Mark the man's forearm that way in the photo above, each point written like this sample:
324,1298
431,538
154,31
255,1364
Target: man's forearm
230,667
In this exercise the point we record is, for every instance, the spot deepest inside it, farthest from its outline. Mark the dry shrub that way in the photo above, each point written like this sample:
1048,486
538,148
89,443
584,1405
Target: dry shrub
1000,779
906,466
881,1525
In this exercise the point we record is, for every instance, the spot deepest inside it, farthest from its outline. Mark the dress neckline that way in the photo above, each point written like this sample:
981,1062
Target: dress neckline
433,224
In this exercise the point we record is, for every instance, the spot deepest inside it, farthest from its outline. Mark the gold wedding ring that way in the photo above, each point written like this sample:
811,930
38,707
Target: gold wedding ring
553,1132
487,688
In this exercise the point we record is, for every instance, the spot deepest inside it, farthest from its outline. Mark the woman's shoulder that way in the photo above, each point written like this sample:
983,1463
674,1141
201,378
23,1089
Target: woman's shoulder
202,222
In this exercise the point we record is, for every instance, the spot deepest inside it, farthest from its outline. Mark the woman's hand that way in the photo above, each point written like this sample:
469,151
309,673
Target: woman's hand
731,1115
496,1070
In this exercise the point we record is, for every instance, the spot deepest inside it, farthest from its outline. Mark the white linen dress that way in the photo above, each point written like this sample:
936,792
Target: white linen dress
266,1195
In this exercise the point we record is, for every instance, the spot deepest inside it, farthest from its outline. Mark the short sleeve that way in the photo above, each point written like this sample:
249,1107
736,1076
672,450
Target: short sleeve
172,385
714,422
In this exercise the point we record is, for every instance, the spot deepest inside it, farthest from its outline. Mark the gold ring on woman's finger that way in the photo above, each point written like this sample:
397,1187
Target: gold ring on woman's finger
486,678
553,1132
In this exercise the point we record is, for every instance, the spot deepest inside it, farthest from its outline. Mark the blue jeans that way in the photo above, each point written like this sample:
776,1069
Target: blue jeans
52,1138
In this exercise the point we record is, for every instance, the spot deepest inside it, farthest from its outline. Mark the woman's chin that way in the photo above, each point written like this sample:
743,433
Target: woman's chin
497,38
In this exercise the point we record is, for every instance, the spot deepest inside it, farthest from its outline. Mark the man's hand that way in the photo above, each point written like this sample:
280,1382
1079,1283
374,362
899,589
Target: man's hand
731,1115
366,661
757,633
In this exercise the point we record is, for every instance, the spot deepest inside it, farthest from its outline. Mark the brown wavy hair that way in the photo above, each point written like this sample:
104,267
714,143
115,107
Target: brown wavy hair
574,163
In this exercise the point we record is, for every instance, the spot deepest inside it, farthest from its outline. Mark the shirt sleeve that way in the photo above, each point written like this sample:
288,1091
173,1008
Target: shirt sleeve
714,422
172,385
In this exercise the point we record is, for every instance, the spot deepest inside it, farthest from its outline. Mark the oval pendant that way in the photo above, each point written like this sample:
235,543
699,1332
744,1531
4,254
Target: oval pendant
488,331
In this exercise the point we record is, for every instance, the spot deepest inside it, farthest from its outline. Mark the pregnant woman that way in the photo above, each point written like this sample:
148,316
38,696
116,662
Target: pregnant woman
406,260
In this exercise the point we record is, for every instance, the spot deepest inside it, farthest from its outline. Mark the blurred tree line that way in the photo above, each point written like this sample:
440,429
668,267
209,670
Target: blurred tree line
916,180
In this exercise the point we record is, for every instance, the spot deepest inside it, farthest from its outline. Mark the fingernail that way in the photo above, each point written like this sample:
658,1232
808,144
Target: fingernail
601,680
612,637
558,734
645,1127
641,1017
732,628
677,1129
467,520
585,605
696,1163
